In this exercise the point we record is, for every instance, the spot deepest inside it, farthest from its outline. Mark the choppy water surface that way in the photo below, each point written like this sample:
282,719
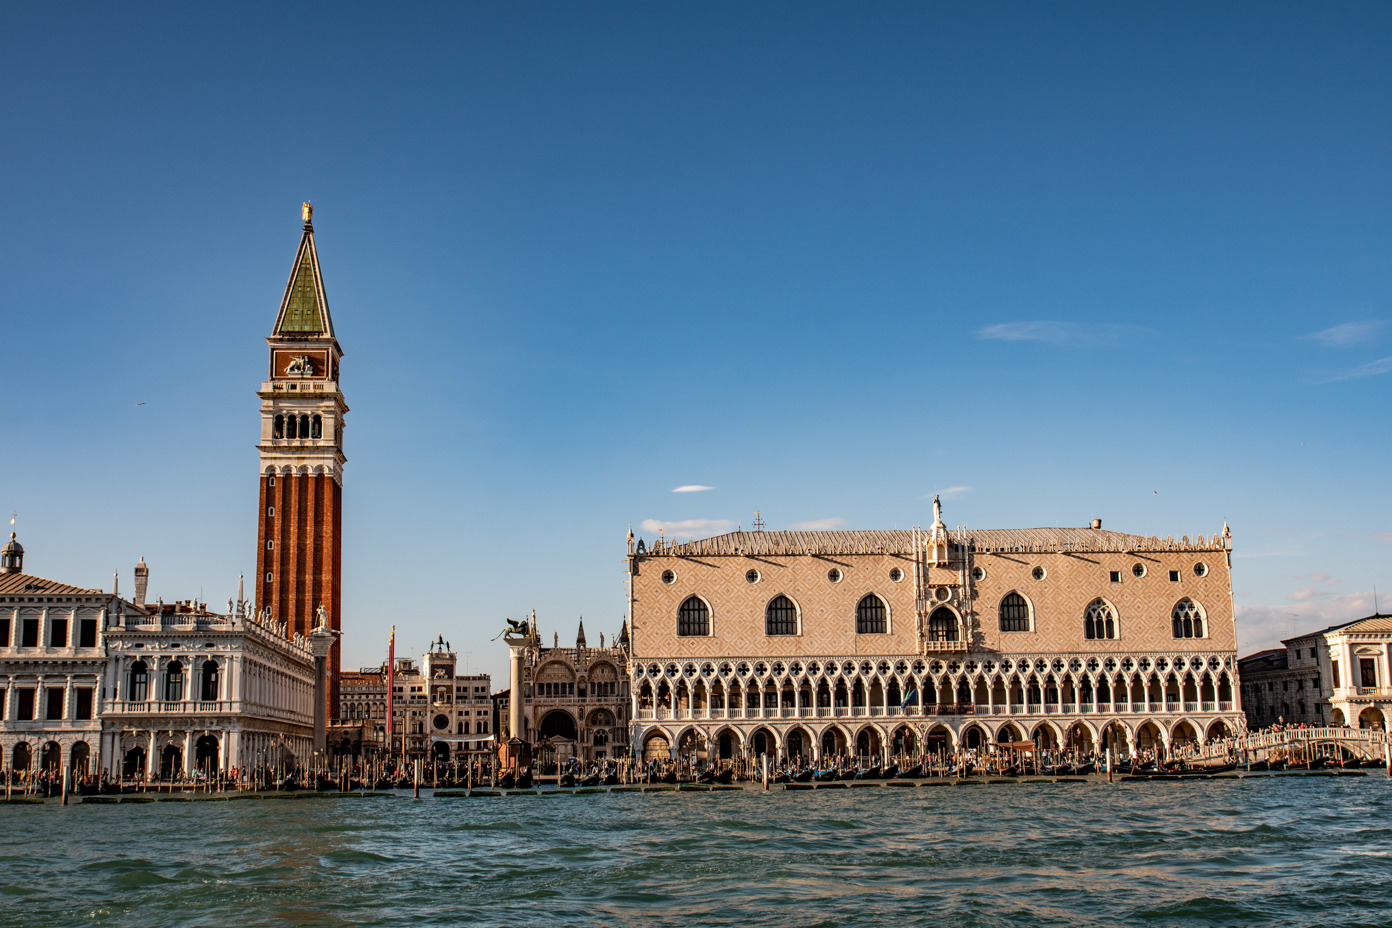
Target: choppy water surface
1298,851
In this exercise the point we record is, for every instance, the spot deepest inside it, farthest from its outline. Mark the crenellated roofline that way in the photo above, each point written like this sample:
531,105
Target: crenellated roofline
900,542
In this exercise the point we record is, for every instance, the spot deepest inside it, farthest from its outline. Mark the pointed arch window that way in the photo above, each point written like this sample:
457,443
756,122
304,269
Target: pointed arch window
780,618
693,618
1099,620
872,618
942,625
1014,613
1187,619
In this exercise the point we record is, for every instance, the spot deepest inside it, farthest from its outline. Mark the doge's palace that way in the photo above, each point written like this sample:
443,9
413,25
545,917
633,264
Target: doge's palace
874,643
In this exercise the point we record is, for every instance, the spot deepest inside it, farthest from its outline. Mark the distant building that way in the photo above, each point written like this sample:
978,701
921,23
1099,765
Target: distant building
98,683
1337,676
198,692
437,712
52,664
875,643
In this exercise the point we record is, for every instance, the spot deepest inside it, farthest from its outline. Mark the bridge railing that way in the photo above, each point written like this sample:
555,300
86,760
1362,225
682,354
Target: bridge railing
1265,740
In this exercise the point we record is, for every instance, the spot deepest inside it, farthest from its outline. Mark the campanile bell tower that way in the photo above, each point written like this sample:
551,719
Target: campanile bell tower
299,547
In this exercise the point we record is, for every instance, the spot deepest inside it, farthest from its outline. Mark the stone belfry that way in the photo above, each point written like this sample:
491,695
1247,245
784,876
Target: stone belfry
299,539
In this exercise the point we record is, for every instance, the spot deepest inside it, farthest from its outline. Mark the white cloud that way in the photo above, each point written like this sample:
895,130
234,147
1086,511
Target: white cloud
949,493
1349,333
692,488
689,528
1371,369
1385,536
1064,334
818,525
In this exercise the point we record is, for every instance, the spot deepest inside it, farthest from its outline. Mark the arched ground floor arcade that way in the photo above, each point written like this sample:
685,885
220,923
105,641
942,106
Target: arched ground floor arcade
801,741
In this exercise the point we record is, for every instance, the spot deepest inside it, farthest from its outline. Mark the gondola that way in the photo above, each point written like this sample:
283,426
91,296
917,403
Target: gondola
912,773
1258,766
611,779
1082,770
890,772
1276,764
1373,762
803,776
782,778
507,781
668,777
566,779
706,776
591,780
868,773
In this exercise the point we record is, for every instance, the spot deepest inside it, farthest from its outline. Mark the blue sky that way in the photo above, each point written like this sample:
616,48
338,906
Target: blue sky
1059,261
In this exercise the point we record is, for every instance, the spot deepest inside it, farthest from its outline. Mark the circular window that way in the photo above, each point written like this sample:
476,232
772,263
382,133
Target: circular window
865,668
654,670
943,594
1037,573
1041,665
1201,569
1138,570
760,669
1006,666
1144,664
1126,664
848,668
978,574
669,576
689,670
752,576
707,670
953,667
743,669
442,721
814,668
935,667
988,666
1092,665
1110,664
671,670
778,668
795,668
895,574
882,667
834,575
725,669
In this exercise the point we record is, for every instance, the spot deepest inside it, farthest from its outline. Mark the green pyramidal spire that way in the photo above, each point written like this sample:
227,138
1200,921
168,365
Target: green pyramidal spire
304,309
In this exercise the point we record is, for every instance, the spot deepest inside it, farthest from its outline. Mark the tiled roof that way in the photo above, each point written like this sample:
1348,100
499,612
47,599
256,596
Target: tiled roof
901,542
20,584
1372,624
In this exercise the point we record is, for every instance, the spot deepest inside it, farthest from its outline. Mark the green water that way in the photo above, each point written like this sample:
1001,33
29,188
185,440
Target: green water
1288,852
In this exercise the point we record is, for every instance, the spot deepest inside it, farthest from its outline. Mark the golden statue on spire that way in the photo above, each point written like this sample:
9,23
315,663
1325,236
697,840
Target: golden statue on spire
306,210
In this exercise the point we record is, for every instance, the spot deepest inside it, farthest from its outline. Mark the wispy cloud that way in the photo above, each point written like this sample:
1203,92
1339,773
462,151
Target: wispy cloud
1385,536
692,488
1349,333
1063,334
949,493
818,525
689,528
1371,369
1262,627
